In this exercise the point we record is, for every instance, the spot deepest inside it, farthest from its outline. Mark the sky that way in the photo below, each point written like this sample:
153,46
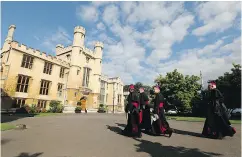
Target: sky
141,39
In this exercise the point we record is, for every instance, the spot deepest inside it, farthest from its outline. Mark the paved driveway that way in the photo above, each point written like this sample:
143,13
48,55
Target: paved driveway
96,135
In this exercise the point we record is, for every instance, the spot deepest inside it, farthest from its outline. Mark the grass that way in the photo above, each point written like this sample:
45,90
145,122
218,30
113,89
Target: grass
197,119
47,114
36,114
6,126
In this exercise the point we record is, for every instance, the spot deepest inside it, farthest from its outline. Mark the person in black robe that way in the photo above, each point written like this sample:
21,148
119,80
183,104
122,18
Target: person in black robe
145,110
132,108
160,124
217,123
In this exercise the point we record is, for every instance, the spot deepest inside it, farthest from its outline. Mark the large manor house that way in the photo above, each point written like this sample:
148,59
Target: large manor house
29,76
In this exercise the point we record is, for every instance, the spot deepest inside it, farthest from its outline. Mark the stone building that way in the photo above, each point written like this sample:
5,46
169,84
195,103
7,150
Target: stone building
111,93
29,76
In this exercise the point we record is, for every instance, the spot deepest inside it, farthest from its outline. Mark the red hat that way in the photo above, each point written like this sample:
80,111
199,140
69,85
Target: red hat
131,86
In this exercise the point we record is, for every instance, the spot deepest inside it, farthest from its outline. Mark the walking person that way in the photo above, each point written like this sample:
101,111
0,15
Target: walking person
145,110
160,125
132,108
217,123
83,103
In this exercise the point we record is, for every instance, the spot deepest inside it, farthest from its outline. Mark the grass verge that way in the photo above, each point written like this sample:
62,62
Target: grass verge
6,126
197,119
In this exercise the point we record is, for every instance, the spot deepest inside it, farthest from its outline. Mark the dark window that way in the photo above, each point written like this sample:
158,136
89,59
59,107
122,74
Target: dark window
18,102
22,84
87,59
27,61
48,68
78,71
41,103
44,87
59,89
68,56
62,72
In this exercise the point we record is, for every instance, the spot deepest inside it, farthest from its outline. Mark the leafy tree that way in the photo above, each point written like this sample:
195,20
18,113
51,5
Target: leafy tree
179,90
230,86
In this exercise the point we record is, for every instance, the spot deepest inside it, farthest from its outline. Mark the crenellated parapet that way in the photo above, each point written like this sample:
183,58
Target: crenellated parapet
98,44
42,55
61,50
80,29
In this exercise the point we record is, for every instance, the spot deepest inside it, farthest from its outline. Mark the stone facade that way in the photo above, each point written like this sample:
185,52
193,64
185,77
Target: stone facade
29,76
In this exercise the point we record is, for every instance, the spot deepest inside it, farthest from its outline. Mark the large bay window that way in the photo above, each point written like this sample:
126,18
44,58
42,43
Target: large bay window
102,92
86,76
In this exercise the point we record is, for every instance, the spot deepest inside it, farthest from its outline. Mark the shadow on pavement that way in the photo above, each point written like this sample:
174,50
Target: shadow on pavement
115,129
29,155
121,125
155,149
182,132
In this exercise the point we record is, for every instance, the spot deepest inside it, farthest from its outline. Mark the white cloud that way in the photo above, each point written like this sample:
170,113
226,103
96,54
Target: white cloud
59,37
211,66
111,14
101,26
87,13
145,32
201,39
216,16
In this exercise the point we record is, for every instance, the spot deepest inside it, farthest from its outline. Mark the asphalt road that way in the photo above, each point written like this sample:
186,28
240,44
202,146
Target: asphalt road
97,135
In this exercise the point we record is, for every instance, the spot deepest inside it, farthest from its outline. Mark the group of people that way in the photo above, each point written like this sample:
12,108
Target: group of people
141,116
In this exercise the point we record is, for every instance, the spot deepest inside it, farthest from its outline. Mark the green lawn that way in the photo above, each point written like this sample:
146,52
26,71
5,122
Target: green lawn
48,114
6,126
197,119
37,114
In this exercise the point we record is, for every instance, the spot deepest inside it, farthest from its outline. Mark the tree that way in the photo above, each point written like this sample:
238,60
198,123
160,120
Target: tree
230,87
179,90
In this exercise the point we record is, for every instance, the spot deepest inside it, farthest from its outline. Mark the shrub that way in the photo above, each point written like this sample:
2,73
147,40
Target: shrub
55,106
43,110
102,108
33,109
78,109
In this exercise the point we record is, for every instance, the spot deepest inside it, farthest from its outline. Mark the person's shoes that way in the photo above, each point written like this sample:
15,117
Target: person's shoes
170,132
139,135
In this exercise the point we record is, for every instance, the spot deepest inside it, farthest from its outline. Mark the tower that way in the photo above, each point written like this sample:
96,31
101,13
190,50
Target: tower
11,30
9,38
97,70
76,60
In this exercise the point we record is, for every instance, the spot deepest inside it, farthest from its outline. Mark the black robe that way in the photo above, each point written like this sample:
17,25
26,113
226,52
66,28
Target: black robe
145,112
132,128
160,126
217,123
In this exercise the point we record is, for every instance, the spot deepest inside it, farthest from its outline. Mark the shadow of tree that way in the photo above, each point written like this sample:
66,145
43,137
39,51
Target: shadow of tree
155,149
12,117
182,132
29,155
4,141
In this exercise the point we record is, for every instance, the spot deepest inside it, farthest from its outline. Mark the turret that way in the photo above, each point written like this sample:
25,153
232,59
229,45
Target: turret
98,50
58,48
10,33
79,36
